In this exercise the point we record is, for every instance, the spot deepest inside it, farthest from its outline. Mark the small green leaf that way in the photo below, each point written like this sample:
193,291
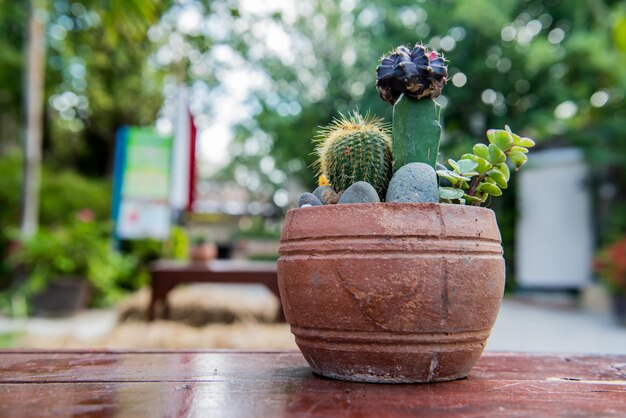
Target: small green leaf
472,199
481,150
519,149
483,164
454,165
450,193
449,175
489,188
525,142
453,176
518,159
504,169
496,156
461,177
467,166
497,176
502,139
517,140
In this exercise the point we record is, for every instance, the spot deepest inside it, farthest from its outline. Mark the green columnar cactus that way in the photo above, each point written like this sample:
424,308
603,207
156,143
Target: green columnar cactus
355,148
411,80
416,131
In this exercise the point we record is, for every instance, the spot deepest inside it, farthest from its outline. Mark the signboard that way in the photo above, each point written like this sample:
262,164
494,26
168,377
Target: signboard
141,190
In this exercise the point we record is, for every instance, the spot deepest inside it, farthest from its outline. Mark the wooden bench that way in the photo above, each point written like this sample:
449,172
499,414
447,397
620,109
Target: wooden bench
167,274
280,384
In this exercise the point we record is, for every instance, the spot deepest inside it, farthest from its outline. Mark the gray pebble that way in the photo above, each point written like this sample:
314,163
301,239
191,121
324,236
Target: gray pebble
326,195
414,183
308,199
359,192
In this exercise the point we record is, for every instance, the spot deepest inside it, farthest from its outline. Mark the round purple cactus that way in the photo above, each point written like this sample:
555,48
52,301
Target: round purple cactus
417,73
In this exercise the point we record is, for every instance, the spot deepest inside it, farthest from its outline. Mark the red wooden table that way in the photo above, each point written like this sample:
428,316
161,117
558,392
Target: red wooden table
166,274
279,384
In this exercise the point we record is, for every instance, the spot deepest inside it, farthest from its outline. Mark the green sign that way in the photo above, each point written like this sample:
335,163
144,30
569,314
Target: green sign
147,171
142,179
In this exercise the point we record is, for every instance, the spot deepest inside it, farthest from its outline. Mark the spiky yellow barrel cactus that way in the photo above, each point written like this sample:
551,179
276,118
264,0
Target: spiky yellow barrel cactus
355,148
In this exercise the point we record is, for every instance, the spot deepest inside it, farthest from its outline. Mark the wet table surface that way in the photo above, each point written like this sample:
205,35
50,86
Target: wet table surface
279,384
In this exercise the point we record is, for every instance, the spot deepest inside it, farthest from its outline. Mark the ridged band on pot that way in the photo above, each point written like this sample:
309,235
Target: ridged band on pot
391,292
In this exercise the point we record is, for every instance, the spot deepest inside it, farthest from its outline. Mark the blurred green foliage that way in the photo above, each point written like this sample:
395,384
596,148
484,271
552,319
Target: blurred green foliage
82,247
79,248
66,245
63,194
96,61
97,76
176,247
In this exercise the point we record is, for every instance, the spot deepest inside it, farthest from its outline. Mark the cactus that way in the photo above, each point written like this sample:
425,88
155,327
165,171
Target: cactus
418,73
355,148
416,131
411,80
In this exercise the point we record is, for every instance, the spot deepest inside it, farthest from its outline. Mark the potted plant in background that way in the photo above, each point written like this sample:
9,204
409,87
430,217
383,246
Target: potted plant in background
389,274
610,264
71,266
202,250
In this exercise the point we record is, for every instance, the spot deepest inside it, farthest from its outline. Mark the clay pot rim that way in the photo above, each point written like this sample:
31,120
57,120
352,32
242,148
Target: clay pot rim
366,206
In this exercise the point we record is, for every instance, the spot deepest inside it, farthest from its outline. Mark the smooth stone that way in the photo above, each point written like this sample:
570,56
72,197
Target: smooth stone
308,199
442,181
326,194
359,192
414,183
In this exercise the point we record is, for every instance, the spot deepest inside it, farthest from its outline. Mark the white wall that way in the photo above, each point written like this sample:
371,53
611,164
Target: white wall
554,234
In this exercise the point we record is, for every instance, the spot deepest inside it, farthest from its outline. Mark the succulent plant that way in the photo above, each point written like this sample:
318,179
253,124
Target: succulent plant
355,148
411,80
484,172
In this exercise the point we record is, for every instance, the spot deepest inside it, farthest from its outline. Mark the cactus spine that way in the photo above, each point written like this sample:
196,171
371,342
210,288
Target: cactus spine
416,131
355,148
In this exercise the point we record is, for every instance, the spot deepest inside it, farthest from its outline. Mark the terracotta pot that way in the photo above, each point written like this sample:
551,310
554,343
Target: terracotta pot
203,252
391,292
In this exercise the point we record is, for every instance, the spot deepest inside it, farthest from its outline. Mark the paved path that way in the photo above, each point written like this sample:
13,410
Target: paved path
523,327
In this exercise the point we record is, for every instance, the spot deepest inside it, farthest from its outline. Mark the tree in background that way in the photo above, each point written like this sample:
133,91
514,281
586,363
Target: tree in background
95,80
96,54
553,69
